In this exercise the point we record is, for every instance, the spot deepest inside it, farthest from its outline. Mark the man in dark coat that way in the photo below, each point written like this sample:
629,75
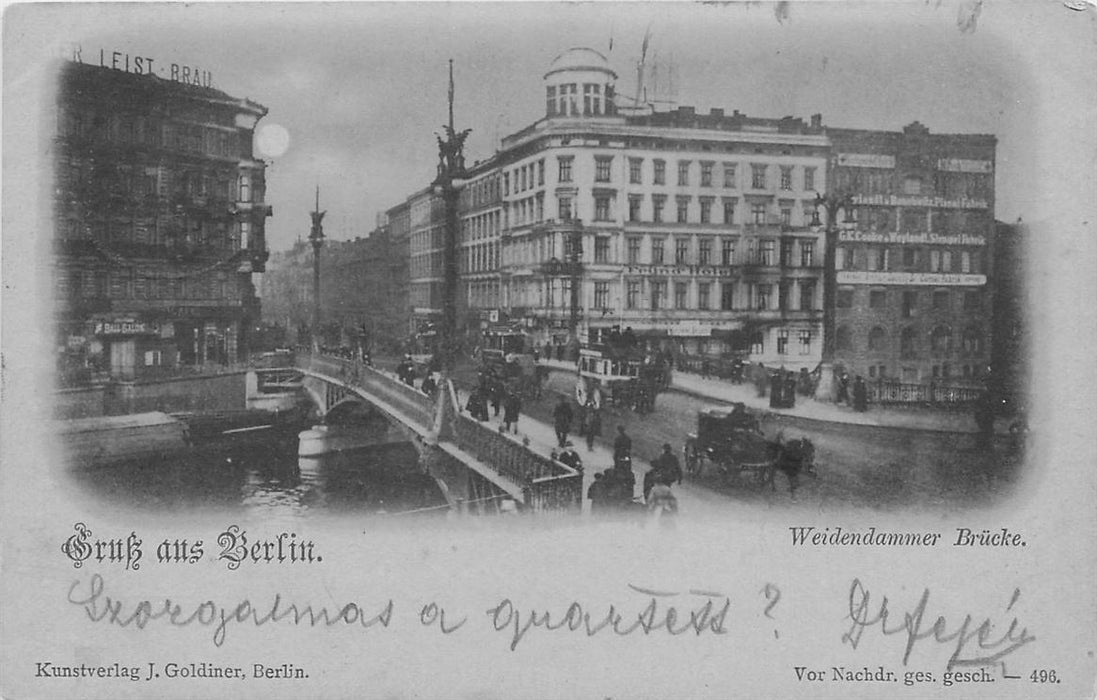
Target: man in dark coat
790,390
598,493
498,393
843,388
622,446
665,469
593,427
561,419
512,405
860,395
775,390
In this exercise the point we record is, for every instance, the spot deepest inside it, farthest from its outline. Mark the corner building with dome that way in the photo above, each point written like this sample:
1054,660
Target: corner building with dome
699,231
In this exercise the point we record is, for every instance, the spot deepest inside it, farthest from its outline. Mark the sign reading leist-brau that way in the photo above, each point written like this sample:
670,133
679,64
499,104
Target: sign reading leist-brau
143,65
928,279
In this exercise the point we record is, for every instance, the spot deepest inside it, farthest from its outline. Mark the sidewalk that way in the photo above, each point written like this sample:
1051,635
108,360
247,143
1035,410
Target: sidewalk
542,439
716,389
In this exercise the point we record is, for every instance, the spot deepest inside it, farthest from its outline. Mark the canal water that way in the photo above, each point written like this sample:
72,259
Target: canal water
264,476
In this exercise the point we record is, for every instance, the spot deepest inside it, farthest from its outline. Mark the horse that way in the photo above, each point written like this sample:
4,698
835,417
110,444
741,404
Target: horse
792,458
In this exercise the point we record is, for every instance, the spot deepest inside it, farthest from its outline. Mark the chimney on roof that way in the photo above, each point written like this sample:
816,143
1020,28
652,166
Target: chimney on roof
685,111
736,114
718,113
816,120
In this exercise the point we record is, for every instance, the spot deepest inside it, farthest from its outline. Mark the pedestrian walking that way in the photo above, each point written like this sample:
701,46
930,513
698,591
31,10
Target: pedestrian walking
843,389
984,420
593,427
790,390
622,446
860,395
775,390
511,407
561,419
761,379
498,392
665,469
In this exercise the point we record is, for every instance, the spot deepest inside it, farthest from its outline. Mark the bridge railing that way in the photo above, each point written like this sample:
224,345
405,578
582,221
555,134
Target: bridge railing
418,405
547,485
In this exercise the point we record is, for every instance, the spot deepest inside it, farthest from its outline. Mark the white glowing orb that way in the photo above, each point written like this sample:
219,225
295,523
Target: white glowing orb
271,140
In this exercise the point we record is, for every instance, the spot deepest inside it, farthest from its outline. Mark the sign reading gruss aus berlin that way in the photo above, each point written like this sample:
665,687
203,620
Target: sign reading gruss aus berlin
143,65
928,279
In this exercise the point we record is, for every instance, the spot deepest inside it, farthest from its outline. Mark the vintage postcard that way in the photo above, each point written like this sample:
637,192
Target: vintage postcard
548,350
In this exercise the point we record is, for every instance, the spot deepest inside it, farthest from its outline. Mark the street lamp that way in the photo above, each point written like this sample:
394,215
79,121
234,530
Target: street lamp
831,203
451,175
316,237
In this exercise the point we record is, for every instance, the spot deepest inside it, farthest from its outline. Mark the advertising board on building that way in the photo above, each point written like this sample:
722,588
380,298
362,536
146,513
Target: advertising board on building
922,279
854,236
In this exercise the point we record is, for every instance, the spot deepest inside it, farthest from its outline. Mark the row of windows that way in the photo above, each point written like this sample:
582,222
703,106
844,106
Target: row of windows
760,173
677,250
760,213
482,191
940,340
483,295
136,181
147,131
887,181
756,296
662,294
169,231
128,284
480,226
908,300
917,219
480,258
884,258
563,100
523,177
755,252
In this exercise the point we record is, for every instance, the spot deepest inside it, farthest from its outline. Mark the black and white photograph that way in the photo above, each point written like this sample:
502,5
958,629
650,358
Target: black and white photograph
549,350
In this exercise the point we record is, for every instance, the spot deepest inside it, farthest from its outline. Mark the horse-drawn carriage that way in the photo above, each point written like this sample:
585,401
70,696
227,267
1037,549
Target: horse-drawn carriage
733,442
627,379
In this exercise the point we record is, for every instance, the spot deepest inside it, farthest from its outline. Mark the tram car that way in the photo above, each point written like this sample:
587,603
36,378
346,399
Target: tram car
502,345
623,379
507,356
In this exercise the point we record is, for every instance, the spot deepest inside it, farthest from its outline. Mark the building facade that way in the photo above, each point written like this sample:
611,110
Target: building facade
159,219
915,253
363,291
702,232
695,230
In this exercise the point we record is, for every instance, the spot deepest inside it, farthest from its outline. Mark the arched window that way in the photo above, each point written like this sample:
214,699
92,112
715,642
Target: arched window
877,339
843,339
906,343
973,340
940,340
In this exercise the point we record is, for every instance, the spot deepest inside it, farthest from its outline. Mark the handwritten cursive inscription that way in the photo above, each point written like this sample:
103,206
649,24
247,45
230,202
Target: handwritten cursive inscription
974,646
707,616
100,607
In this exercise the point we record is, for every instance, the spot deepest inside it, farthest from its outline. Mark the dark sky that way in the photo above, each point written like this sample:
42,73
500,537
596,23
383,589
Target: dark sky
360,88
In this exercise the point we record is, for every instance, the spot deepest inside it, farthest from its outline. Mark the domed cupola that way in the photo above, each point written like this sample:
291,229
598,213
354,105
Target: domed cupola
579,83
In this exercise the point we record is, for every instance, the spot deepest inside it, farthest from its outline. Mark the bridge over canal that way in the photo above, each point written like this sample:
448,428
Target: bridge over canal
466,457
